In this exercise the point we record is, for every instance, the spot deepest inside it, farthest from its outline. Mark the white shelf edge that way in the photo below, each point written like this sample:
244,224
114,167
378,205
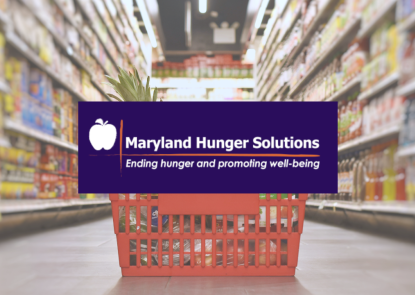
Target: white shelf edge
406,89
322,58
9,124
395,207
14,206
408,23
366,30
346,88
406,151
380,86
365,139
4,86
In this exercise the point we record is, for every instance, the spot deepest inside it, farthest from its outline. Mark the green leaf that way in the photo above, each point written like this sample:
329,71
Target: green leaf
148,94
114,96
155,94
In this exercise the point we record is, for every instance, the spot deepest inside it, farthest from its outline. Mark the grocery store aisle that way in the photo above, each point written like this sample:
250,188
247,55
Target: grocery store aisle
82,259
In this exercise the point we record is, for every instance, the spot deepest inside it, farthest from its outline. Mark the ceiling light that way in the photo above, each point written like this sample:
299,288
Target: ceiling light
202,6
188,23
261,13
147,22
250,55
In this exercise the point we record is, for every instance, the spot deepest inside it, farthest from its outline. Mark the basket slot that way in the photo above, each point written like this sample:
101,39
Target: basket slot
256,252
122,219
225,224
148,219
268,220
138,264
246,224
235,251
127,219
224,251
213,250
283,251
246,247
192,250
160,249
235,224
273,212
203,224
273,254
257,224
267,252
295,225
289,218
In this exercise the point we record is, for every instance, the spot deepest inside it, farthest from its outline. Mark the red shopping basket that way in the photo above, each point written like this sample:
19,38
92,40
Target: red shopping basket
208,234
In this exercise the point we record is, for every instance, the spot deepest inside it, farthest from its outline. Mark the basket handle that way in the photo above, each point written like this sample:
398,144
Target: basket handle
208,204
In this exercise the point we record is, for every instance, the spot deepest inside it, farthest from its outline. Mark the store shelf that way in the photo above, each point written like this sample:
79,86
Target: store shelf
408,23
81,33
380,86
318,20
11,125
110,32
406,89
366,140
406,151
108,53
201,83
283,35
342,37
21,206
346,88
25,50
59,40
377,20
394,207
140,41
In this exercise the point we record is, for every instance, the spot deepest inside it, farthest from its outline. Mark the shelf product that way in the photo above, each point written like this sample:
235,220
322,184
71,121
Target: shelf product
404,9
31,169
375,174
200,66
407,135
384,45
362,118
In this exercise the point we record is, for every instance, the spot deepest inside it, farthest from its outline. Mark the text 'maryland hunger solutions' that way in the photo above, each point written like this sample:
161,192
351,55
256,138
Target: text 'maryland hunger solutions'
228,144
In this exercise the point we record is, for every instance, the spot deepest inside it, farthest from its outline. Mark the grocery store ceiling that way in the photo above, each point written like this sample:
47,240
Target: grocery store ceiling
170,23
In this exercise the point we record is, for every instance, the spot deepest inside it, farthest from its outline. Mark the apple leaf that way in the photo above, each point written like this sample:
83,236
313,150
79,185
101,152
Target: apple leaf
99,121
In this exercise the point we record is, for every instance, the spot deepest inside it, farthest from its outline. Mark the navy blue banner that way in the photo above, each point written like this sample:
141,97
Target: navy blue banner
215,147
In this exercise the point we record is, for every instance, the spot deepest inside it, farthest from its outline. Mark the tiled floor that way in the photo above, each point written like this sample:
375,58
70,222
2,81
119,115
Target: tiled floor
83,260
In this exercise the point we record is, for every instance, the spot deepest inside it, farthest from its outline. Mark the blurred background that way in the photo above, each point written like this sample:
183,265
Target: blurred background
55,53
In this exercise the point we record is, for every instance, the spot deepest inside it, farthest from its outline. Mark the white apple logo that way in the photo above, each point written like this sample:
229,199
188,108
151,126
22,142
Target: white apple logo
102,135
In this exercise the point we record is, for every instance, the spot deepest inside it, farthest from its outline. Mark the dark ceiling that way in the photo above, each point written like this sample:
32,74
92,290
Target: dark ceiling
172,17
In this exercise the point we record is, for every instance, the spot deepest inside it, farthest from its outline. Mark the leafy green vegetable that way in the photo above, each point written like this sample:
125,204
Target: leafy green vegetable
130,87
